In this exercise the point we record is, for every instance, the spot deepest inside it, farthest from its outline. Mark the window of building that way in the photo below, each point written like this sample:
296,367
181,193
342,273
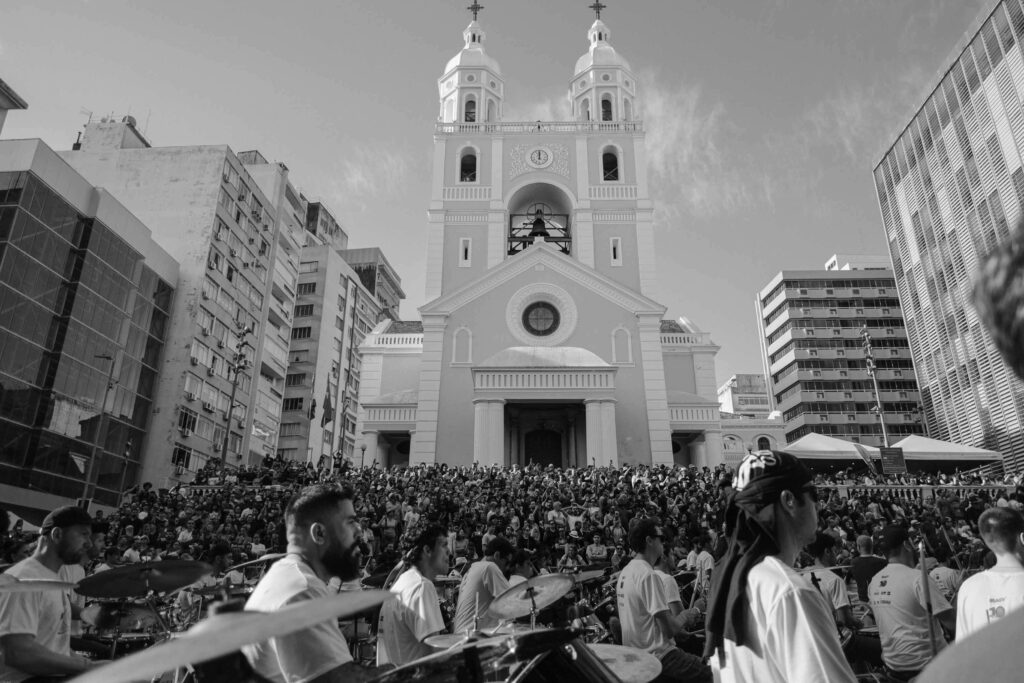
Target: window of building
295,379
606,108
467,166
610,164
764,444
306,288
307,267
187,420
616,251
341,302
181,456
339,322
301,332
290,404
465,252
304,310
470,116
291,428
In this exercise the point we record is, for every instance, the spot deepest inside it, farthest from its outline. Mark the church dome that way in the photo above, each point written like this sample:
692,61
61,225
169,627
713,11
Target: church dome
601,53
472,54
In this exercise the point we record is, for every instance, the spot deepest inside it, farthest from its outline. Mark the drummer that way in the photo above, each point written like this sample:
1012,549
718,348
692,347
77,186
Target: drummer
35,628
484,581
323,542
648,622
416,615
521,567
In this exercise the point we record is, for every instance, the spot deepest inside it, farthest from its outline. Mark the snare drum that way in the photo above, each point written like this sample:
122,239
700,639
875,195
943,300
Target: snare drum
115,616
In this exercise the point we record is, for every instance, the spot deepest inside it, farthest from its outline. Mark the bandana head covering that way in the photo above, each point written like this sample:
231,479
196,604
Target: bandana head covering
750,525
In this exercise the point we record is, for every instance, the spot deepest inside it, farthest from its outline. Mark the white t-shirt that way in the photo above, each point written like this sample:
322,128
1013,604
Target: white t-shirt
705,564
670,586
46,615
303,655
73,573
947,579
481,584
640,594
405,622
988,597
791,635
896,595
832,587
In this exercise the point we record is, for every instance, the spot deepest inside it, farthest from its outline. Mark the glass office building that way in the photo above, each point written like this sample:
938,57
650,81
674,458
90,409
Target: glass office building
84,302
950,188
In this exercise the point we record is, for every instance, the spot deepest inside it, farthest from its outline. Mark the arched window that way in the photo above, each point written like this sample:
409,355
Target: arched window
470,111
606,108
467,166
627,110
492,110
764,444
609,164
462,345
585,110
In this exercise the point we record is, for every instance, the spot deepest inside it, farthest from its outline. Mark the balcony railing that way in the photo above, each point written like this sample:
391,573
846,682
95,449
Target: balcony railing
685,339
533,127
394,340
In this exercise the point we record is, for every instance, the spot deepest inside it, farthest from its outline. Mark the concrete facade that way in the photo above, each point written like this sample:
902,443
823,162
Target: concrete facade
540,341
810,323
234,229
745,396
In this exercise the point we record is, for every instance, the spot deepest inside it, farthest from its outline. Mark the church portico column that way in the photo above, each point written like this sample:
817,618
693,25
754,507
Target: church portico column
371,454
595,432
609,435
489,431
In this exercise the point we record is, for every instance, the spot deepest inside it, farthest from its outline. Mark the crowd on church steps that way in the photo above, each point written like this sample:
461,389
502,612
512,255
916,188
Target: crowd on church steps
561,516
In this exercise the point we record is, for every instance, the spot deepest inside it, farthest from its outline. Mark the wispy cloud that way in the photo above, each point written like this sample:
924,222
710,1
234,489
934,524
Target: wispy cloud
695,164
368,173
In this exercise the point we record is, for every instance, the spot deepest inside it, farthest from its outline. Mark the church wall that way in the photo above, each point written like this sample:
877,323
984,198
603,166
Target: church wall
485,317
455,275
628,272
680,374
399,373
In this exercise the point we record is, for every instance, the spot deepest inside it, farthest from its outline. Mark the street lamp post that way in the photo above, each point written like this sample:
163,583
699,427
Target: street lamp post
869,360
238,363
362,458
89,488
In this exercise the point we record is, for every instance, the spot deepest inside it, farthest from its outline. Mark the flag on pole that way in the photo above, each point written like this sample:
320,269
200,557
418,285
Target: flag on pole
328,415
864,456
312,409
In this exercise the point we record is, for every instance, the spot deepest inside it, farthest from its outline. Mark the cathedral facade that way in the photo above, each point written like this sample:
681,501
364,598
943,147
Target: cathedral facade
540,342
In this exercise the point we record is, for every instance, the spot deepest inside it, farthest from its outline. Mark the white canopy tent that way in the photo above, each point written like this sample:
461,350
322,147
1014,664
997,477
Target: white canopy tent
917,447
820,447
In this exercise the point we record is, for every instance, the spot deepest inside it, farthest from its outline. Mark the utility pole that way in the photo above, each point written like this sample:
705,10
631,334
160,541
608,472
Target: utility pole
89,488
869,360
239,362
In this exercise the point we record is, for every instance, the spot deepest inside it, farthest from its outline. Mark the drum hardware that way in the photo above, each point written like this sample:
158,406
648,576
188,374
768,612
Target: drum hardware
137,580
630,664
225,632
529,597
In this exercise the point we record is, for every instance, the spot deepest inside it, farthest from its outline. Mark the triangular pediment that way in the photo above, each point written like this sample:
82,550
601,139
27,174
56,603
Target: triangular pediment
549,256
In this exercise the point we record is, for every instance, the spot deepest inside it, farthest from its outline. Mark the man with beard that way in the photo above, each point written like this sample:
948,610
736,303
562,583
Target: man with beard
35,628
323,543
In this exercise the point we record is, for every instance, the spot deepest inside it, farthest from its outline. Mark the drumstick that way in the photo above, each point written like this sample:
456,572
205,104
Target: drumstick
927,600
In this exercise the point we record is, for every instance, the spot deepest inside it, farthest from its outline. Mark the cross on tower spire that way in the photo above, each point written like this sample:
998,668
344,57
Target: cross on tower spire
475,8
597,7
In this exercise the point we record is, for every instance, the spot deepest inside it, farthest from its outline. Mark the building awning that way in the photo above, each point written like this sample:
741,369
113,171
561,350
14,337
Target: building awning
917,447
820,447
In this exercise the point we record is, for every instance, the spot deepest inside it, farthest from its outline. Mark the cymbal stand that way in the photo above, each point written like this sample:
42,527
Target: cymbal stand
531,591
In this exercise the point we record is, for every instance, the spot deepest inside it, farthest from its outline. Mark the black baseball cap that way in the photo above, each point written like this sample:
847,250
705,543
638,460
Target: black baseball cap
62,517
893,536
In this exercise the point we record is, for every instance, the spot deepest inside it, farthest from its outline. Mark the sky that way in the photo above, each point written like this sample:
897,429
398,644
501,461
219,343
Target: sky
764,118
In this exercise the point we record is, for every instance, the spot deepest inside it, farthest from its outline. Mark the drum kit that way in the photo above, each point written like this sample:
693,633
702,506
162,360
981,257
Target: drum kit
130,620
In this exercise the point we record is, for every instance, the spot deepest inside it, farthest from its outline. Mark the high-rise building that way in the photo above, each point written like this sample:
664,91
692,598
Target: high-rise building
86,298
811,323
949,188
9,100
333,313
378,277
324,227
540,341
745,396
235,225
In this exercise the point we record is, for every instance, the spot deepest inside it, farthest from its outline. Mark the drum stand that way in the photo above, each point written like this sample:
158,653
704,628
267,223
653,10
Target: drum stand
531,591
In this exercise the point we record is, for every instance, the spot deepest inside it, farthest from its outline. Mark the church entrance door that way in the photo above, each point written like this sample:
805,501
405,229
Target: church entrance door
544,447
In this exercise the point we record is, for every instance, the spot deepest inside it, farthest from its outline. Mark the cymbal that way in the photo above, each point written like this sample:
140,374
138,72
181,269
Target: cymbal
584,577
10,584
226,632
272,557
444,641
138,579
538,592
628,663
217,589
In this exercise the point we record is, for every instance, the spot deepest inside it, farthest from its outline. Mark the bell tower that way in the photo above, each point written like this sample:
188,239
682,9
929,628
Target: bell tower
603,87
471,89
